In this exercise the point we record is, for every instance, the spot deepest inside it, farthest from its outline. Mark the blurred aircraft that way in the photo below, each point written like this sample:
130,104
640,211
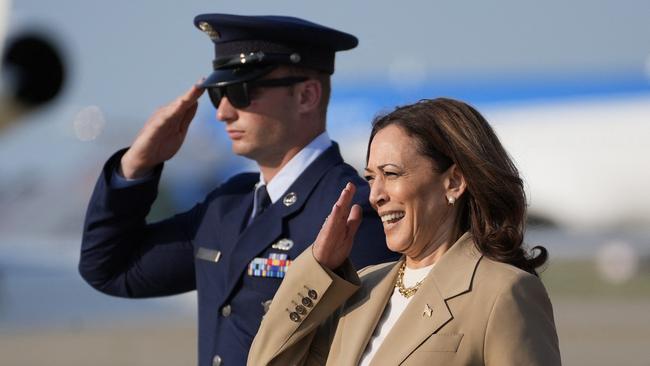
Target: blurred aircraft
582,149
580,139
32,70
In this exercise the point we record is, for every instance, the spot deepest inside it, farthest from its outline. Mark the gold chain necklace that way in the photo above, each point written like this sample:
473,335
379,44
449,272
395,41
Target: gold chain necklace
407,292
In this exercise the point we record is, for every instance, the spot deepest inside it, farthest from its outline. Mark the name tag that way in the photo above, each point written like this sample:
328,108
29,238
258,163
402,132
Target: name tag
211,255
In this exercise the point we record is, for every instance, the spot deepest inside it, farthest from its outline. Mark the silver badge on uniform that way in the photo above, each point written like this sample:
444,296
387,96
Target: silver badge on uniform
283,244
290,199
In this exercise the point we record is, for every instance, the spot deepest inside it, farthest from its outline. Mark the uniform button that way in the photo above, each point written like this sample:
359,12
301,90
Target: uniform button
301,310
216,361
307,302
312,294
294,316
226,310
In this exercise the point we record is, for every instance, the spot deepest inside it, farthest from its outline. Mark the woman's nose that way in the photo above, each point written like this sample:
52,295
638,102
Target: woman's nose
378,194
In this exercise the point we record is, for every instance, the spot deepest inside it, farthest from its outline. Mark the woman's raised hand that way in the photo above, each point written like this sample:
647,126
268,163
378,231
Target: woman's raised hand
335,239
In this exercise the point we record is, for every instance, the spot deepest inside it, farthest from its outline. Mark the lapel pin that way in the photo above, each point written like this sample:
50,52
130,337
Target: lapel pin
283,244
290,199
427,311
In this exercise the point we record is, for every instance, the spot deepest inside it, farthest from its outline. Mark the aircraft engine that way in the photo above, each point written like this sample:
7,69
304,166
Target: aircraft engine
32,74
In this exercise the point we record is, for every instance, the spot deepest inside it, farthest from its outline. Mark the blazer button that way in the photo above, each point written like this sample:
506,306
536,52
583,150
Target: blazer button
216,361
294,316
312,294
226,311
307,302
301,310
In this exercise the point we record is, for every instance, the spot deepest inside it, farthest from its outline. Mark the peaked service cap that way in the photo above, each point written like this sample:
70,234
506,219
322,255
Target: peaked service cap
248,47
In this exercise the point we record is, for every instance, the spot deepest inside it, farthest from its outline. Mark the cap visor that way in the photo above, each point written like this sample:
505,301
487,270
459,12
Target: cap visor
224,77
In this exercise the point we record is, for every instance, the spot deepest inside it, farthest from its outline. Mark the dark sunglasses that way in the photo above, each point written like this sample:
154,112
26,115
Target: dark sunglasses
239,94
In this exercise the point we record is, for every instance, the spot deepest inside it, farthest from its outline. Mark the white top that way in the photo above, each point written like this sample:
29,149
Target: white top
392,312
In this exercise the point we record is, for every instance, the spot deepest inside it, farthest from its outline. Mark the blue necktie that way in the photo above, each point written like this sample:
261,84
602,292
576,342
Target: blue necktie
262,200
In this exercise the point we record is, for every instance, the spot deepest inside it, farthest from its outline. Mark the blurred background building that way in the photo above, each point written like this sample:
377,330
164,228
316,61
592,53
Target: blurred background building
565,84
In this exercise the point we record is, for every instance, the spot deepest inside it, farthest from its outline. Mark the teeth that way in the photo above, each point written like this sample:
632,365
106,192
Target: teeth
392,216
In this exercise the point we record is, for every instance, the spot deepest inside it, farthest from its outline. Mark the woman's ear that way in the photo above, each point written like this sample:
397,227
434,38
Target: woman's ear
309,94
455,184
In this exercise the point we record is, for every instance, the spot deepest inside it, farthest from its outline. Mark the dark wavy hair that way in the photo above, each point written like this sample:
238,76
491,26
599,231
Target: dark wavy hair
493,207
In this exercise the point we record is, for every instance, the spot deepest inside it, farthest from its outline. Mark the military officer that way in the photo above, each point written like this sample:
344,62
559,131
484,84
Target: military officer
270,84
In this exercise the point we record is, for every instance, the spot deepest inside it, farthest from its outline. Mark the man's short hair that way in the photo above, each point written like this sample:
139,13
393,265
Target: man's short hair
323,78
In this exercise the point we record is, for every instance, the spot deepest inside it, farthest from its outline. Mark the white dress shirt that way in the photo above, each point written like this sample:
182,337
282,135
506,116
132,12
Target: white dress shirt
292,170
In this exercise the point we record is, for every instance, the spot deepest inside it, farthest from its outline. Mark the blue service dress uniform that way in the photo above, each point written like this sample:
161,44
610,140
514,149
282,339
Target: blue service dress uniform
213,248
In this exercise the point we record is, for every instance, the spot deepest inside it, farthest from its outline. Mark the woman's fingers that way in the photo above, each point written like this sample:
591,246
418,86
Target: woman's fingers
345,218
336,222
342,205
335,239
354,220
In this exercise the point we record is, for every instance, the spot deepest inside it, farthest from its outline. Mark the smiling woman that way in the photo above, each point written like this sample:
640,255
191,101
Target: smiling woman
459,151
465,293
408,191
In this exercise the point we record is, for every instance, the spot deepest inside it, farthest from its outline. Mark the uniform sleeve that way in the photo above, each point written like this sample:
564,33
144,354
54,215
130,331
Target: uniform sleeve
118,181
521,329
121,254
287,337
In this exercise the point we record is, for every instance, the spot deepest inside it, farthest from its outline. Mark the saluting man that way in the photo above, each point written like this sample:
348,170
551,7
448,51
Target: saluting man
270,85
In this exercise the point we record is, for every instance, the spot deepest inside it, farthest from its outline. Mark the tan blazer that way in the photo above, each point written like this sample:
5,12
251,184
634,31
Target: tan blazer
470,310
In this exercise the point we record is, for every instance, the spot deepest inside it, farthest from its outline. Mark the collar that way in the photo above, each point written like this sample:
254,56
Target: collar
451,276
454,272
292,170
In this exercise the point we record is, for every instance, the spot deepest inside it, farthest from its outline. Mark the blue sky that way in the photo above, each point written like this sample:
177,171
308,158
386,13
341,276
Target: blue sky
133,56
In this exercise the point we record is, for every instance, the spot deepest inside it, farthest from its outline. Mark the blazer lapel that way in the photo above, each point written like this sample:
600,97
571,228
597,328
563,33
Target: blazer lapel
359,321
428,311
413,326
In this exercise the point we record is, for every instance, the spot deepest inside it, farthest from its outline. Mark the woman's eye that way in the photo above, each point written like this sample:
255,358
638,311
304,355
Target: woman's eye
369,178
390,174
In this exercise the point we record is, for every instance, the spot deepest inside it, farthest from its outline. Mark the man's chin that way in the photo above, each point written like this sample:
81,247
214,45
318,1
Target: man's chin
243,150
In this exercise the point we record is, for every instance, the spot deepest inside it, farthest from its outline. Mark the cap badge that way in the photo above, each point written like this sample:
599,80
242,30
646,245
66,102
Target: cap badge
290,199
283,244
207,29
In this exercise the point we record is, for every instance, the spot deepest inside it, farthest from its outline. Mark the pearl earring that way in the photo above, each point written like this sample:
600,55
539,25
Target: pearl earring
451,200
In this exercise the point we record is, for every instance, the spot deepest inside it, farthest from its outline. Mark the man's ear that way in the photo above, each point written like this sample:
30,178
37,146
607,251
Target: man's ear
309,94
455,184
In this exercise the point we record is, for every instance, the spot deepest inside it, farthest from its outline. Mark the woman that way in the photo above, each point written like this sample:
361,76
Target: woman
465,292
